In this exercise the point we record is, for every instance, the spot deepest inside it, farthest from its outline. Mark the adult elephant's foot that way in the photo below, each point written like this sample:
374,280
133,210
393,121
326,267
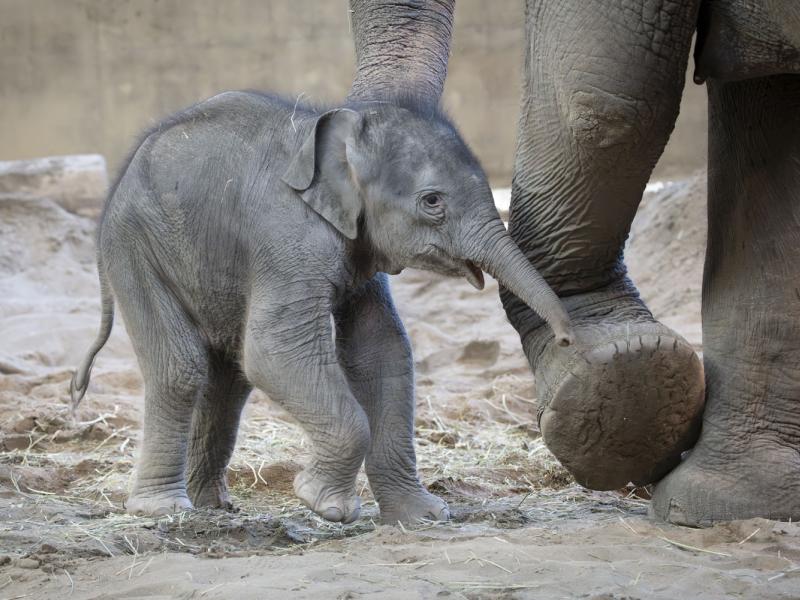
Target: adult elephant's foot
624,401
723,479
412,507
157,503
747,461
327,497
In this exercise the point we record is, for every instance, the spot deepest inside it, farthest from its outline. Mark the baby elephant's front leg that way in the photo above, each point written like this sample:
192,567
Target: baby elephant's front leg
293,361
376,355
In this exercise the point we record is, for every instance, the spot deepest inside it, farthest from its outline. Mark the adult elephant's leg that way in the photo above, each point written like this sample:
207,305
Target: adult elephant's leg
747,461
602,88
375,353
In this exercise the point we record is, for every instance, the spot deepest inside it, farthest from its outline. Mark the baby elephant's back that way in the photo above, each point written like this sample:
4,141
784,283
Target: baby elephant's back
185,204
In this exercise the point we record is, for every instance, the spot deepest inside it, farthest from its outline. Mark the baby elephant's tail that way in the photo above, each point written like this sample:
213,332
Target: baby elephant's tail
80,379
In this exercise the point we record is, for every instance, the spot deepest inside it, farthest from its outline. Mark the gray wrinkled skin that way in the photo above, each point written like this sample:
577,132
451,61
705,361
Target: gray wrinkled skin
237,230
601,91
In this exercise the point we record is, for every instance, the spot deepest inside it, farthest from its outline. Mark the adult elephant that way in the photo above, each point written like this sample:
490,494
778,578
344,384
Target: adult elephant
602,86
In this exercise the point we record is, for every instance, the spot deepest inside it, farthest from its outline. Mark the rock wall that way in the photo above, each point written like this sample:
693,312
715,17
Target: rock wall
77,183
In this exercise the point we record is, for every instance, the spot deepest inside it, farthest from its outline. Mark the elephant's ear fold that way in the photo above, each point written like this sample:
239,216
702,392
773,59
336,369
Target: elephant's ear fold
321,172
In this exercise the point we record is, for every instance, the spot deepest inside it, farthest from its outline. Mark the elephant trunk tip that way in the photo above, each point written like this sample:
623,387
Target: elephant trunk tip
561,327
504,261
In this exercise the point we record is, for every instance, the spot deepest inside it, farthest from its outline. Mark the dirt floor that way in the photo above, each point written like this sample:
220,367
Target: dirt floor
521,528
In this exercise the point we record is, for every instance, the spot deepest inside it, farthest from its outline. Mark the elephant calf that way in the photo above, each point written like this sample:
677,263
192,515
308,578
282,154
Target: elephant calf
239,227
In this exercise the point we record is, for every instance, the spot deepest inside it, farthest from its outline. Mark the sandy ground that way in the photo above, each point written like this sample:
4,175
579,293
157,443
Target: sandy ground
521,528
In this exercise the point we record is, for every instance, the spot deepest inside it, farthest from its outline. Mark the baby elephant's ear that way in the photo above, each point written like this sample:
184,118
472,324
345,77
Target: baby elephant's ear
321,173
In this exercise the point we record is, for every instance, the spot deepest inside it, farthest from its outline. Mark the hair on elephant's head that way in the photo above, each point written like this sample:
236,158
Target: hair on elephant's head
400,178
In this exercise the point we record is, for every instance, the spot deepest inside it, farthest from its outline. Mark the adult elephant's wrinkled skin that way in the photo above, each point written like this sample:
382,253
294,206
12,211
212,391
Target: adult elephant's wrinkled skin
601,91
245,231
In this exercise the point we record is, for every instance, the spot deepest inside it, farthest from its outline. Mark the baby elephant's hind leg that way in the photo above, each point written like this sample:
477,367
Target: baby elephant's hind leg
215,422
174,365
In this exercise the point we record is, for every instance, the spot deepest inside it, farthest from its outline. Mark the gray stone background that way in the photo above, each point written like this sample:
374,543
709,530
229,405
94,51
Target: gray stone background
84,76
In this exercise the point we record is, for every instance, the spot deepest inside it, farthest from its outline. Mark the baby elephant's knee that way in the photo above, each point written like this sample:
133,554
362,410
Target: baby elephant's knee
355,436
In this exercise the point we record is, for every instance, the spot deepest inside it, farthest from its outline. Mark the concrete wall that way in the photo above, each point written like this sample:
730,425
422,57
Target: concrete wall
83,76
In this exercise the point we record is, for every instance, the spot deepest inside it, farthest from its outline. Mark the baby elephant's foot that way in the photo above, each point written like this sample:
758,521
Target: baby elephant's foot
157,504
329,499
210,494
412,507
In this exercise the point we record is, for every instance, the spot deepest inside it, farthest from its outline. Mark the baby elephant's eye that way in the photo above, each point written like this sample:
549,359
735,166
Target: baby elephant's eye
432,200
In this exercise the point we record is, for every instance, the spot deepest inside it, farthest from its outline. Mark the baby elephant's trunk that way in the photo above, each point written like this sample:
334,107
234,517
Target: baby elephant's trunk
499,256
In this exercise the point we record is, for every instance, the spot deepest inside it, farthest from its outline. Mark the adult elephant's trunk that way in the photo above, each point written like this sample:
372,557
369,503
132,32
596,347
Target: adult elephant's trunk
495,252
402,47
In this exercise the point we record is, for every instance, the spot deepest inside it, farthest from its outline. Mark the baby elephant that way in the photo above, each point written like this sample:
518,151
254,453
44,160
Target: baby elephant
242,231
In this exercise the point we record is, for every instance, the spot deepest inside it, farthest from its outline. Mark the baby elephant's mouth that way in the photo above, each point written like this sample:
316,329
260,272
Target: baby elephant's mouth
473,274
